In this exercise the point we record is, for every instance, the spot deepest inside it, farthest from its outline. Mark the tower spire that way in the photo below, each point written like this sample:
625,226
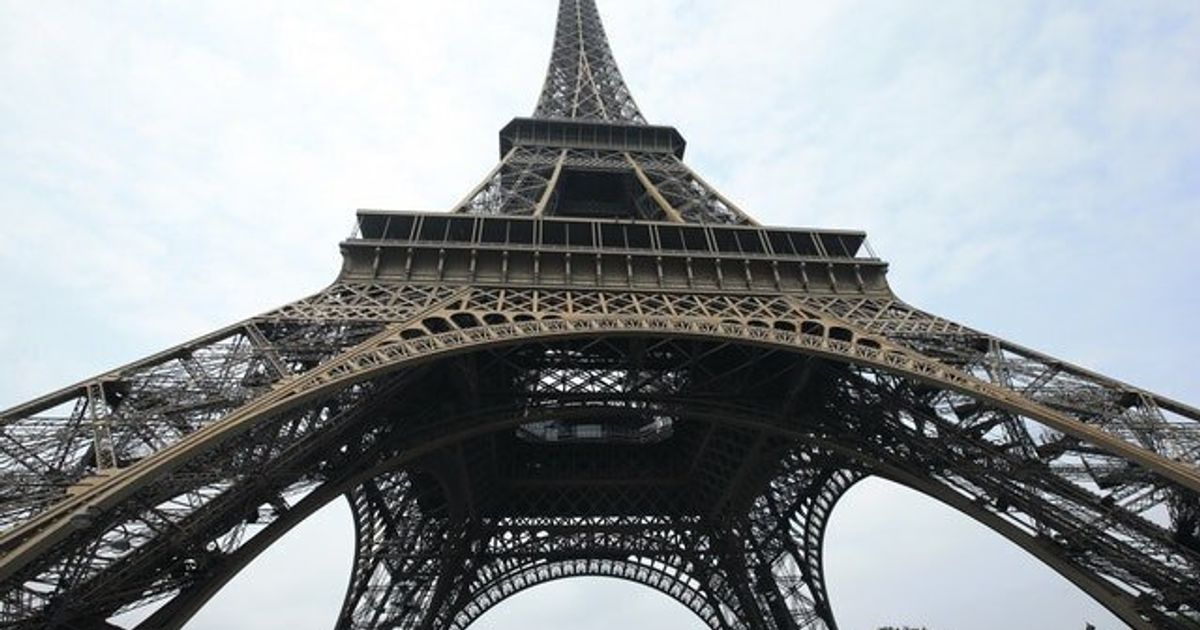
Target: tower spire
583,80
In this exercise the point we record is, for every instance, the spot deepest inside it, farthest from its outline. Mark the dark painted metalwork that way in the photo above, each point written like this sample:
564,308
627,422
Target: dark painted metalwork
598,366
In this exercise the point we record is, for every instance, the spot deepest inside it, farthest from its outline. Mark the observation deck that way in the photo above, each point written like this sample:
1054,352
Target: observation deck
604,253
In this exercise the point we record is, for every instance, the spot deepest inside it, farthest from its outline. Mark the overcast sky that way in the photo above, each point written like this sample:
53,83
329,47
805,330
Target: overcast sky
1028,167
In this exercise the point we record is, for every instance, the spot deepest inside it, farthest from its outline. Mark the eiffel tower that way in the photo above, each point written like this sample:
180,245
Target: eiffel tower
595,365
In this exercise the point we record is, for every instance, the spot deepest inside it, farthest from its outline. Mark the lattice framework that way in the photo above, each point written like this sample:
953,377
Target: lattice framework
491,435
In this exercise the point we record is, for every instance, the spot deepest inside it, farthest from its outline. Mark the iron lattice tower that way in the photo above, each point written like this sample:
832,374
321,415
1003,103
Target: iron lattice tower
596,365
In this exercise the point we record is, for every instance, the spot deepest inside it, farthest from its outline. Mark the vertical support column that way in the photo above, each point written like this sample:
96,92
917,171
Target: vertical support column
453,578
790,519
731,558
400,556
697,548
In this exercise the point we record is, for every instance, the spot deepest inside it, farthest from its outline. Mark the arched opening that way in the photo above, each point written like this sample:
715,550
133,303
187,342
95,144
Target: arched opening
917,564
895,557
589,603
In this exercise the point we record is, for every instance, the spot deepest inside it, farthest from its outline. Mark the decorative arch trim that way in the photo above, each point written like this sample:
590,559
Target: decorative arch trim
390,350
524,578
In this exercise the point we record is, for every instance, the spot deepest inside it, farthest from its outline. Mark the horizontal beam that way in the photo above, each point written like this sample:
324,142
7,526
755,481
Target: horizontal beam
391,227
589,134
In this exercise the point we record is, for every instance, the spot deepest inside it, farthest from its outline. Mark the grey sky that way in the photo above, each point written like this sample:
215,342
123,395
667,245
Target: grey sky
1028,168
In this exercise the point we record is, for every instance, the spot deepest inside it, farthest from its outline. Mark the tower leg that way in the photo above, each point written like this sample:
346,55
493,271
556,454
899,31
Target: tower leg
403,534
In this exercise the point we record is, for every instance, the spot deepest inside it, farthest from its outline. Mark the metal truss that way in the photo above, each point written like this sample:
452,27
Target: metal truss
683,194
660,186
506,402
583,80
1151,421
583,83
631,358
518,185
64,441
458,568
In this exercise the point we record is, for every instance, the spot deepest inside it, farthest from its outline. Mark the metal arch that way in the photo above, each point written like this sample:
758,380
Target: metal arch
178,611
751,335
1112,599
792,516
390,349
636,556
1155,422
804,496
529,577
815,525
1119,605
1117,602
974,510
154,402
181,608
144,486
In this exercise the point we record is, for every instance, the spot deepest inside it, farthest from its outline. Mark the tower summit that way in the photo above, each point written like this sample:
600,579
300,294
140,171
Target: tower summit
588,151
594,365
583,82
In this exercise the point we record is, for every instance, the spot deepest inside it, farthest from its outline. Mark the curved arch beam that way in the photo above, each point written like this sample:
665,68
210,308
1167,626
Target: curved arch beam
382,507
179,610
510,584
1112,599
390,349
805,539
388,516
